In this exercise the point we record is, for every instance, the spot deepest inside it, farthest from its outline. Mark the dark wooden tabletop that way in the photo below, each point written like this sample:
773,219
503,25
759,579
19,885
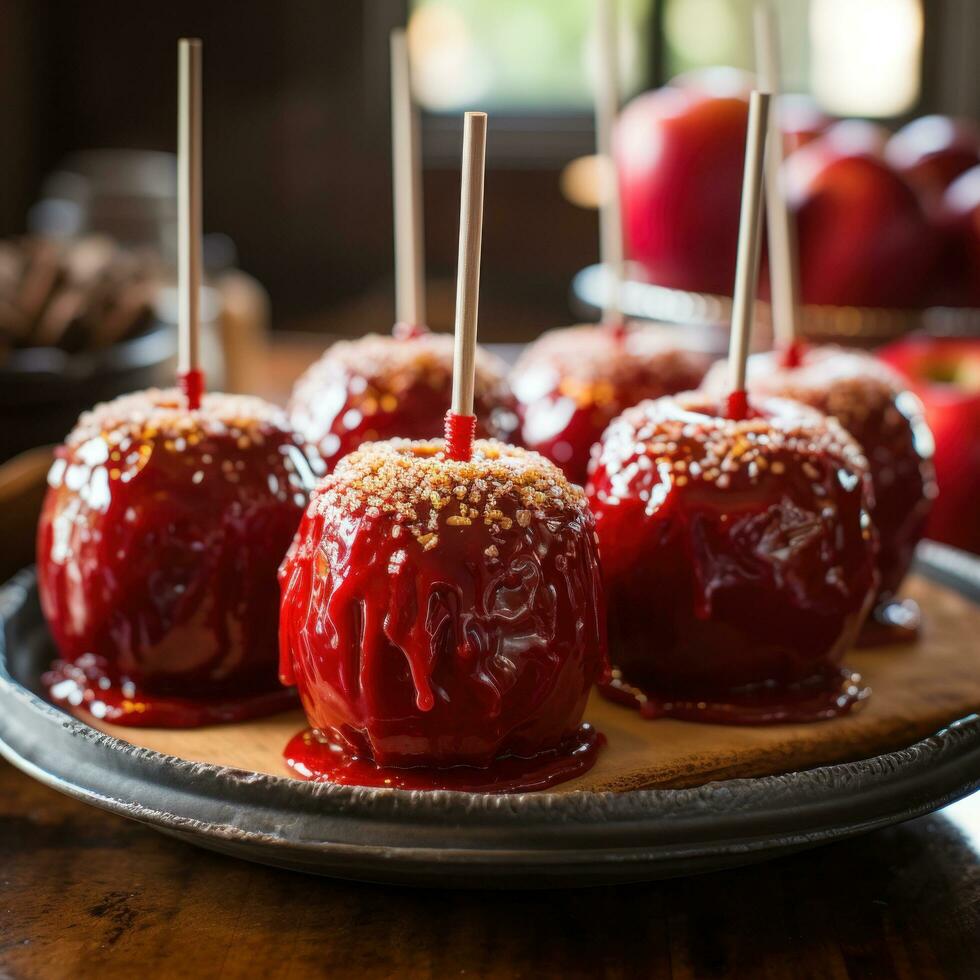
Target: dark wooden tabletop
84,894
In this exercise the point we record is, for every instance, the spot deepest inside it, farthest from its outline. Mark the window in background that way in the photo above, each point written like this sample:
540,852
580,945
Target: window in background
856,57
517,56
867,55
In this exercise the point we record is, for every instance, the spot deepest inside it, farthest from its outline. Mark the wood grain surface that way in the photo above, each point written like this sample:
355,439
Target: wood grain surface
84,894
916,690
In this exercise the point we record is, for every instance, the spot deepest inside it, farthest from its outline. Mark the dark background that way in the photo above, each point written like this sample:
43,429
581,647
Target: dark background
297,152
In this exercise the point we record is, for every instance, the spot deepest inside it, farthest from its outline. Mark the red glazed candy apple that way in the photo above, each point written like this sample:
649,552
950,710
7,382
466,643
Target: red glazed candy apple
738,559
871,401
932,151
864,239
384,387
945,375
961,219
158,546
443,620
679,154
572,382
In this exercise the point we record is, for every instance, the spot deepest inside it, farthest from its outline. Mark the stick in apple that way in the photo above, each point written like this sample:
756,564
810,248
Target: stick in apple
460,421
189,180
407,189
783,271
606,110
747,259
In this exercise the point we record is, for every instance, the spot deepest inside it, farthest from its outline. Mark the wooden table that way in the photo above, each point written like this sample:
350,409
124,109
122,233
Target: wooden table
84,894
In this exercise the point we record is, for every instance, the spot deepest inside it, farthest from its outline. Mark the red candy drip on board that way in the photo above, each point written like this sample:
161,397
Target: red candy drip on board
820,698
313,758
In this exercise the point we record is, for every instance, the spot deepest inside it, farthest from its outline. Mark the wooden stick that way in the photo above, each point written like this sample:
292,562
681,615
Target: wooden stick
468,272
783,265
459,436
606,109
747,260
407,189
189,216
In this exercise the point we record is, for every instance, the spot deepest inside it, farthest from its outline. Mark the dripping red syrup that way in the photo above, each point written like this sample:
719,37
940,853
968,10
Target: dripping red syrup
460,431
819,699
315,758
791,356
85,689
616,326
192,385
737,405
408,331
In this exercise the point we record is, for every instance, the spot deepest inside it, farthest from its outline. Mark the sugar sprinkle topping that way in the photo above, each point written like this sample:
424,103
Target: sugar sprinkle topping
502,487
162,413
687,443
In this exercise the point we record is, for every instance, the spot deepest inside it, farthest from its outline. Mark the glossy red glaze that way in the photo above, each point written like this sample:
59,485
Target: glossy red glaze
319,760
738,557
157,552
873,404
386,387
439,613
571,383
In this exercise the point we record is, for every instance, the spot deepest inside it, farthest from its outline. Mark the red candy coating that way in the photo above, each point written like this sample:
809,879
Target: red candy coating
157,552
383,387
439,613
571,383
738,558
871,401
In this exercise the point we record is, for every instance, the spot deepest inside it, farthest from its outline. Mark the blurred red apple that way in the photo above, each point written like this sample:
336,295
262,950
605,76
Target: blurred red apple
864,239
722,81
932,151
945,374
858,136
960,216
801,120
679,152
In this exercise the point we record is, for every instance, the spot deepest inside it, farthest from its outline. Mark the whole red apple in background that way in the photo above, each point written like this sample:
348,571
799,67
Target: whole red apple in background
864,239
945,374
801,120
679,153
932,151
960,217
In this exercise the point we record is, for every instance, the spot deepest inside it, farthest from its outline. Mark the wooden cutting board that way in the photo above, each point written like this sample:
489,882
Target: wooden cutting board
916,690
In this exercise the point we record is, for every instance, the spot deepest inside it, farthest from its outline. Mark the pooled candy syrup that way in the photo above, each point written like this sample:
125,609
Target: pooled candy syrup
821,699
313,757
85,688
